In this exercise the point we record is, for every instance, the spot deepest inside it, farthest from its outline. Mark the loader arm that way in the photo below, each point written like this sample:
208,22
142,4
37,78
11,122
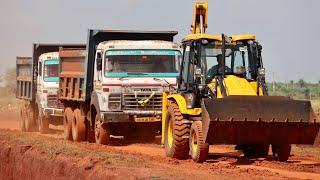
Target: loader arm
200,14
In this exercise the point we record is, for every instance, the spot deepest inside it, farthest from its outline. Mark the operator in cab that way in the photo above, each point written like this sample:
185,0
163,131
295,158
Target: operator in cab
217,69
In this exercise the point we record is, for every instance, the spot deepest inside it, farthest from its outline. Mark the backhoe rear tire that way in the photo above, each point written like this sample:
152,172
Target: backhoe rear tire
176,135
281,152
198,148
78,126
67,123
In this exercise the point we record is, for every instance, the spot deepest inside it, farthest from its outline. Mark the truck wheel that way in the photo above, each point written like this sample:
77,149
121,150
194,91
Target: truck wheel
255,150
67,120
198,148
43,122
281,152
29,120
22,119
102,134
78,126
176,135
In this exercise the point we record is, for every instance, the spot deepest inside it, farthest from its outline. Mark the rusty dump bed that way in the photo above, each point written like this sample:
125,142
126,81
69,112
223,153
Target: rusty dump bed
254,120
72,73
24,78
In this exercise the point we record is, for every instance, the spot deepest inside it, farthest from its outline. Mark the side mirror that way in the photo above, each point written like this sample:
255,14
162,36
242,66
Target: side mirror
99,62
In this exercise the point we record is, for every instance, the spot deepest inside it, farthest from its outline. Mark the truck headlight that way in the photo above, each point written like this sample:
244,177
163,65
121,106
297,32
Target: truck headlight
114,105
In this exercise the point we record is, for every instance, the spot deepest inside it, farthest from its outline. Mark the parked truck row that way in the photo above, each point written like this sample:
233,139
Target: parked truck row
37,86
112,87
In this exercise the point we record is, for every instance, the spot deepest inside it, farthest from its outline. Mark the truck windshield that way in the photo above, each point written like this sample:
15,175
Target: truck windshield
236,61
152,63
51,68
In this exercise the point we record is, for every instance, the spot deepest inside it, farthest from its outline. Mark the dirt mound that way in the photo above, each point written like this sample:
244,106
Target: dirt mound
25,162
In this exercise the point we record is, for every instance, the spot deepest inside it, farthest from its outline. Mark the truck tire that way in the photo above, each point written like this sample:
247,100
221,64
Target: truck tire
198,148
281,152
176,135
29,121
102,134
22,119
78,126
67,120
43,123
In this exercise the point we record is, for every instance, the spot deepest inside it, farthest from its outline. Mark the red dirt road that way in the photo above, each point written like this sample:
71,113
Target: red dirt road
224,162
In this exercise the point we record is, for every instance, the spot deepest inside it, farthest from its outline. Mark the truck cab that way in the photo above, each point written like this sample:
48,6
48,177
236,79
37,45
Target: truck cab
132,76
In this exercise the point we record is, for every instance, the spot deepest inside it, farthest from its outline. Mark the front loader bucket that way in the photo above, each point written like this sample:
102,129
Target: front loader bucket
258,119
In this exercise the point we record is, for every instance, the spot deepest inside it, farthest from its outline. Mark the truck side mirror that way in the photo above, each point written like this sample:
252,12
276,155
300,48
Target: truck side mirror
99,61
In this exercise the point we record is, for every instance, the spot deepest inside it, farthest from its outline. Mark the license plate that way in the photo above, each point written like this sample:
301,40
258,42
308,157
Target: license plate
58,112
146,119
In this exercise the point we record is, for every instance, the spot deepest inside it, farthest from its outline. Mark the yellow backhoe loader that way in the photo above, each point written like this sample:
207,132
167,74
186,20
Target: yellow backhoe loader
222,98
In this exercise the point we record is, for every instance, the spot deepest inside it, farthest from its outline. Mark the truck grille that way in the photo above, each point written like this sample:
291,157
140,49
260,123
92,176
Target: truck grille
53,102
130,102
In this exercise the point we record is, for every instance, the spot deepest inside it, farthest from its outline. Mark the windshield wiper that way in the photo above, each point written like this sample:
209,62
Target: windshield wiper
122,78
161,80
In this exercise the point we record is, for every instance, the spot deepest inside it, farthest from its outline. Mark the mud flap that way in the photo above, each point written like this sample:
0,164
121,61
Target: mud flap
254,119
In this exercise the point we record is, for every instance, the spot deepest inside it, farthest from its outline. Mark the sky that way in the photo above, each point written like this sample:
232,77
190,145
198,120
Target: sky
287,29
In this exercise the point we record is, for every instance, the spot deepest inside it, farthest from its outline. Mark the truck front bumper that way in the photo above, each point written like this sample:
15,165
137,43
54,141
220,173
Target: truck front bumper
53,112
131,116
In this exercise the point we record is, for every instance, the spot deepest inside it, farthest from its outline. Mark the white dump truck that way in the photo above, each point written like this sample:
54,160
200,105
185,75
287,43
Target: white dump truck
115,86
37,85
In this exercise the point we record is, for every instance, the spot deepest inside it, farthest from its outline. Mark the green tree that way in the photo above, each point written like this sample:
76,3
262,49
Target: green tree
301,83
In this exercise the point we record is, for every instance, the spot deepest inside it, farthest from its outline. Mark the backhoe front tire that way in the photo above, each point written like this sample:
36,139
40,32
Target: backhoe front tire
198,148
78,126
176,135
67,120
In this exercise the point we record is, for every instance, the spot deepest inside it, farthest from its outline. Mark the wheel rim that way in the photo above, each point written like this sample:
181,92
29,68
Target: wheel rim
170,133
194,143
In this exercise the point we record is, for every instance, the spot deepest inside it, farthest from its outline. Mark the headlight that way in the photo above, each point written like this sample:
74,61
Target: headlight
261,71
114,102
189,100
114,105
